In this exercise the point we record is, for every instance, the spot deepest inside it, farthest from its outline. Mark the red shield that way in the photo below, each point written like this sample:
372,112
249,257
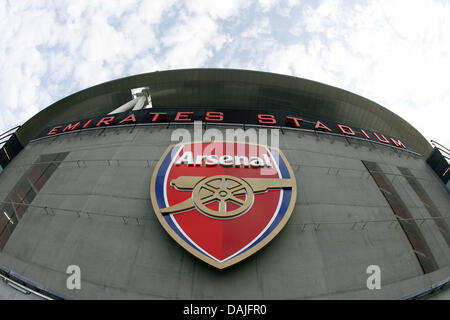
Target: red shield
223,201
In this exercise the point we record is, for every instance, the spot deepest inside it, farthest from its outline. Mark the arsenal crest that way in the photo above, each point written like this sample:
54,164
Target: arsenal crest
223,201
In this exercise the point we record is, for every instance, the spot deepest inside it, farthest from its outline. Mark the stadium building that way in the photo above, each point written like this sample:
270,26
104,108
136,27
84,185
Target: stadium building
338,194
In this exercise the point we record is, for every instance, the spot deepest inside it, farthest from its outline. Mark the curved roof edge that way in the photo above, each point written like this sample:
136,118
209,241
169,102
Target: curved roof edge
230,88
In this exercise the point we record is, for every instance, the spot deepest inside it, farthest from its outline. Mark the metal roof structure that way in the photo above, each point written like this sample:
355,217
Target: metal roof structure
229,88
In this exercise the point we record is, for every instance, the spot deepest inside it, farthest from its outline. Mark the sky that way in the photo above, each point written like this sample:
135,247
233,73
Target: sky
393,52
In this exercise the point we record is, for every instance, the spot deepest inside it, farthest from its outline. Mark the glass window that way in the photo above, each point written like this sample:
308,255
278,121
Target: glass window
16,203
410,228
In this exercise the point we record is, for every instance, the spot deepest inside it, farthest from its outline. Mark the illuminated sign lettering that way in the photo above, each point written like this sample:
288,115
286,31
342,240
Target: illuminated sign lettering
233,116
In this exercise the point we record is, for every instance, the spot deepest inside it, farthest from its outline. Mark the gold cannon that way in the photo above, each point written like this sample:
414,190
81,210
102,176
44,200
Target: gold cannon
223,189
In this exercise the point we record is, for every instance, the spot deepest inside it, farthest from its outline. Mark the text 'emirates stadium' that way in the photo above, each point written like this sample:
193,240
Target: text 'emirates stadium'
221,184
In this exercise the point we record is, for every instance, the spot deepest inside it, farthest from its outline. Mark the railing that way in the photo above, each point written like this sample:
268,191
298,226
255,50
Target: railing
439,160
428,292
27,286
301,226
4,137
441,148
10,146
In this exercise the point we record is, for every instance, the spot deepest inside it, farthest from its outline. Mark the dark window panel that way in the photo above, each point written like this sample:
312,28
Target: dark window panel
8,213
16,203
410,228
428,203
23,191
33,174
3,219
4,236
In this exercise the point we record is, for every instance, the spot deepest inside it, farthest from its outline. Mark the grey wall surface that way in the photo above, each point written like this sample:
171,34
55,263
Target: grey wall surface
124,252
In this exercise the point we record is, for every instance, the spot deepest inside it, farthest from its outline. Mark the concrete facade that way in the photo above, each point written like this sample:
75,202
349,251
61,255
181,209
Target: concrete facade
101,219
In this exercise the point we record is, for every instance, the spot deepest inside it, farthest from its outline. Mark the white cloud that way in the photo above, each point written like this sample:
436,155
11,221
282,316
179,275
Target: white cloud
266,5
216,9
192,42
259,28
395,55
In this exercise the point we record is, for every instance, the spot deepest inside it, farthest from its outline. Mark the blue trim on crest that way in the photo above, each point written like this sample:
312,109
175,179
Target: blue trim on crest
159,191
285,193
